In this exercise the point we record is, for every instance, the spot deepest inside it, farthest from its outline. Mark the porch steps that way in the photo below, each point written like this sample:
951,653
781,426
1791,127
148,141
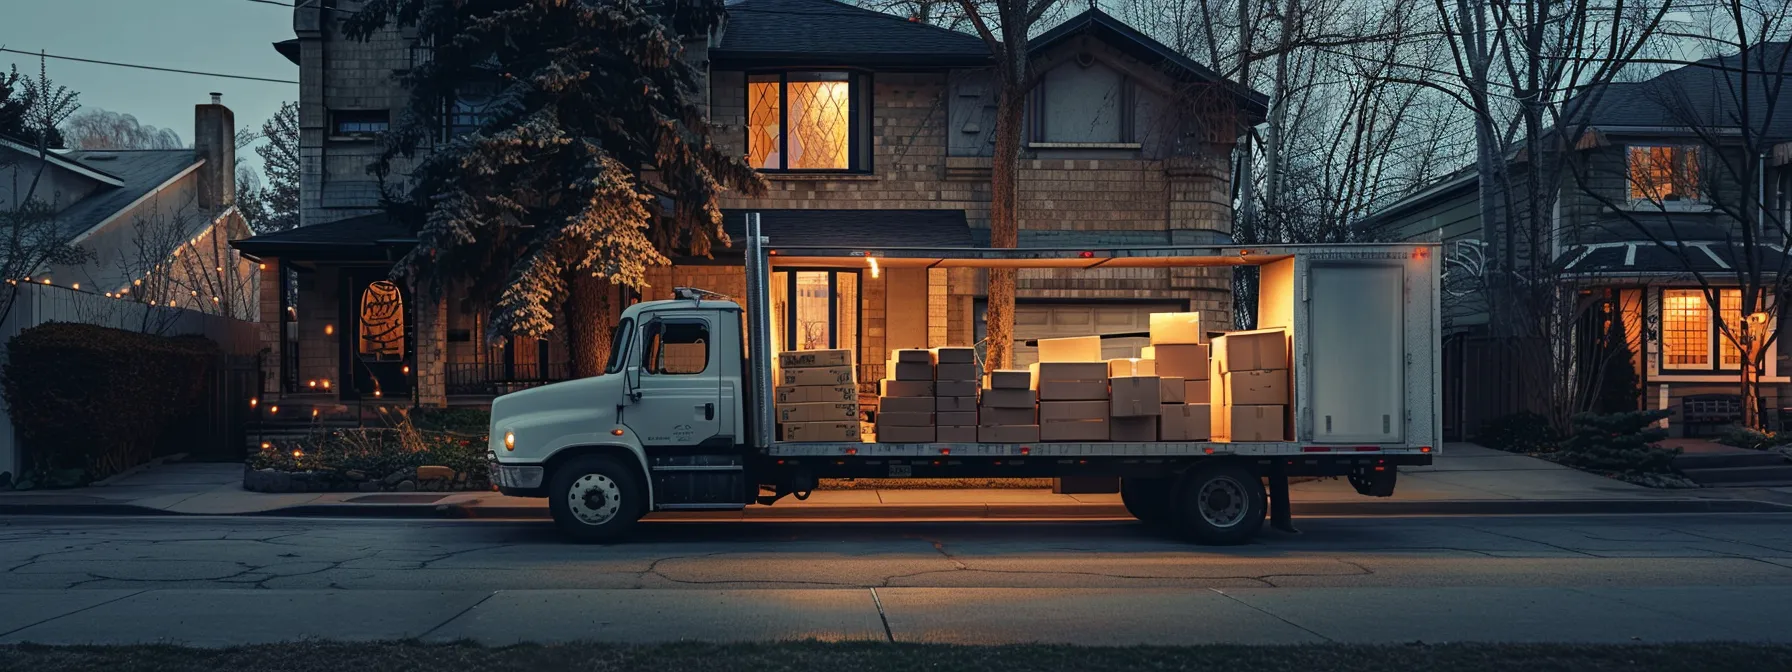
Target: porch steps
1731,469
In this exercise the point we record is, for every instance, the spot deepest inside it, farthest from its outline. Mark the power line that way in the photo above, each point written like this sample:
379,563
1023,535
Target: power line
150,67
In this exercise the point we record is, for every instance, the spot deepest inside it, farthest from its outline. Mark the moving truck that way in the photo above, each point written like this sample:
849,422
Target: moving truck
683,417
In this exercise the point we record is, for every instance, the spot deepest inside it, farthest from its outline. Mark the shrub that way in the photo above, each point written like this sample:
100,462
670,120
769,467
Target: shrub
455,420
1619,443
378,451
97,399
1752,439
1521,432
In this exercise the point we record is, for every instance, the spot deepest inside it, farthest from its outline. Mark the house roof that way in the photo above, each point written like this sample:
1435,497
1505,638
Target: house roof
56,158
853,228
290,49
367,237
827,32
1707,93
1148,51
1645,258
139,173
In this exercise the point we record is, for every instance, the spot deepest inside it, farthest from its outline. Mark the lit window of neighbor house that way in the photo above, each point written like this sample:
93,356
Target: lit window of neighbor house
1691,339
814,121
1664,174
359,123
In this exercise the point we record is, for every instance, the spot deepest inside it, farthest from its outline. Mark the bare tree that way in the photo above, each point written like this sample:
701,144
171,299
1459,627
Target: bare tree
34,238
102,129
180,257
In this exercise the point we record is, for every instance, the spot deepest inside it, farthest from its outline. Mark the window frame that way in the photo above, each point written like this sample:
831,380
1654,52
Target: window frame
1035,117
336,122
1701,199
788,326
620,342
653,353
860,85
1716,342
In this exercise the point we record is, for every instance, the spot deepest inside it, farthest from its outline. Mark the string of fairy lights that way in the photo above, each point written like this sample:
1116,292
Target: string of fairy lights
124,293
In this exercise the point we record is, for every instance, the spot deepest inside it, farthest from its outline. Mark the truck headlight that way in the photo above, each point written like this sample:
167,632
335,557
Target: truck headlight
510,440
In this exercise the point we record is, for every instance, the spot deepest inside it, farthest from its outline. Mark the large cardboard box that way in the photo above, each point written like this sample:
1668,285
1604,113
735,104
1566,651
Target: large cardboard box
1256,388
1131,367
1010,399
817,412
913,356
905,388
1257,350
1075,349
955,371
816,375
947,404
798,394
1185,422
1187,361
797,359
819,431
1050,411
955,355
1135,428
909,370
1007,416
1173,390
904,434
1008,434
1074,430
956,434
955,388
1070,381
1134,396
1198,392
1249,423
1010,380
905,405
1176,329
904,419
956,419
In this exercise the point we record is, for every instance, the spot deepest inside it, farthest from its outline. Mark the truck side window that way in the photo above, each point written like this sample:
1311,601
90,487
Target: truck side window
619,342
679,348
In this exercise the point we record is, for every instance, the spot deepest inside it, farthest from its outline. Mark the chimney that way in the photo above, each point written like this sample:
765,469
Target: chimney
214,139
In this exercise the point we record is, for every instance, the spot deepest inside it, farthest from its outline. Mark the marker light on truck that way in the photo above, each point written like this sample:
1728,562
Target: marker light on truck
510,440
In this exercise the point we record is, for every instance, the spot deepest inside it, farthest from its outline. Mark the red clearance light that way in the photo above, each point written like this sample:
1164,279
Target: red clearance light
852,451
1367,449
1424,449
945,451
1024,450
1087,254
1316,449
772,252
1209,451
1421,253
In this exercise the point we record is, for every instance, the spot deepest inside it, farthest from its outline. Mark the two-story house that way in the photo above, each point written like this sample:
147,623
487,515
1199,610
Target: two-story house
874,131
1644,218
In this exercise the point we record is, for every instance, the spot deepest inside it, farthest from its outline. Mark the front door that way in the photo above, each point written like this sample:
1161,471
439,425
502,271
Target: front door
679,383
378,339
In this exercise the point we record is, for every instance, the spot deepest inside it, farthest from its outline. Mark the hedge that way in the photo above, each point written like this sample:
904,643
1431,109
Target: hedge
97,399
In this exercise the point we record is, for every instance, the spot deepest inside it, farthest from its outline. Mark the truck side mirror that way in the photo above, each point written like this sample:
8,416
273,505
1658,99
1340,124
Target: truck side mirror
632,379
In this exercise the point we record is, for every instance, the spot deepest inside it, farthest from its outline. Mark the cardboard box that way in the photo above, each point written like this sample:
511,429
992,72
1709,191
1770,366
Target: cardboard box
955,355
1182,361
1073,390
956,419
955,388
1198,392
1263,349
901,419
1051,411
1176,329
797,432
1136,428
909,370
955,372
1076,349
1255,423
797,359
1010,399
1131,367
797,394
905,388
905,405
1184,422
952,404
1133,396
817,412
1172,390
1067,372
1074,430
1008,434
902,434
816,375
955,434
1256,388
1010,380
1006,416
915,356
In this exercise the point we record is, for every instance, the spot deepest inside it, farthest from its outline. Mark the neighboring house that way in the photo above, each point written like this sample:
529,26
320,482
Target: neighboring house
889,141
1646,175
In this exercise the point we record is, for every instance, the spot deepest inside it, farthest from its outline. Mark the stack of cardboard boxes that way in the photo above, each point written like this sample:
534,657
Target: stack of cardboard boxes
1179,350
1135,399
1008,412
817,398
1071,382
955,394
929,395
1250,386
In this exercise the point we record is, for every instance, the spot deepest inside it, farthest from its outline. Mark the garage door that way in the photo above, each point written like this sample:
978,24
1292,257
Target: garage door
1057,320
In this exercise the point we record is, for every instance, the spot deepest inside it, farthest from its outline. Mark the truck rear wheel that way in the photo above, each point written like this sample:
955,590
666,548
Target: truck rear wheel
596,498
1148,499
1220,504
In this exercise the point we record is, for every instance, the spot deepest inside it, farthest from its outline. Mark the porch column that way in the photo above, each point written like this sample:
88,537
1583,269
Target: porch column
271,302
432,352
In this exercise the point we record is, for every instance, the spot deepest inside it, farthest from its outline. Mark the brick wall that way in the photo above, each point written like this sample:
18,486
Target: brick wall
432,348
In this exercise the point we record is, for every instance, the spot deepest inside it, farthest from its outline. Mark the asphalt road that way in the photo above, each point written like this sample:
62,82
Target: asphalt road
1555,578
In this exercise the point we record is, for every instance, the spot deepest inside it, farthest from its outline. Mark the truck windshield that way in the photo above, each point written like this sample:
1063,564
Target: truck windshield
619,346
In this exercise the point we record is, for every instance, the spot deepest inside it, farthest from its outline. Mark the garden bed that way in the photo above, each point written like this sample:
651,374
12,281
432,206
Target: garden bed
399,458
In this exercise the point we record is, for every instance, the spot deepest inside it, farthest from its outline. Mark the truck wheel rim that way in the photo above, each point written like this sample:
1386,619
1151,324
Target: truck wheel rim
1221,502
594,499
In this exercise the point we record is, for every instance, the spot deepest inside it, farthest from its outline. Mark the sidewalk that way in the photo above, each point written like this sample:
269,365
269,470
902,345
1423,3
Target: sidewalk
1467,480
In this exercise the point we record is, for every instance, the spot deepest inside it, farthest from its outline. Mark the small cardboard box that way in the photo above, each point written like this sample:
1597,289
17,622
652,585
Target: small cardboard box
1131,367
1181,360
913,356
1198,392
955,355
1067,372
819,431
798,394
1136,428
1052,411
1172,390
1134,396
955,371
1073,390
905,388
902,419
1256,388
905,405
1006,416
1185,422
956,434
956,419
1010,399
1074,430
1010,380
817,412
1263,349
956,388
798,359
816,375
1008,434
1255,423
1076,349
952,404
904,434
1176,329
909,370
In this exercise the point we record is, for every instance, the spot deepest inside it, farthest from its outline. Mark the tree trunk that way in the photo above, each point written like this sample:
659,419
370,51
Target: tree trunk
1004,224
590,319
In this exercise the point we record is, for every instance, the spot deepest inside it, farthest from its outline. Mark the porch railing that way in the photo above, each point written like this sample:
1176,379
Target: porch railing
494,378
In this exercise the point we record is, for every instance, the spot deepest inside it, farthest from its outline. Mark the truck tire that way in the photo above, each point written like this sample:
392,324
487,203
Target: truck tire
1148,499
1220,504
596,498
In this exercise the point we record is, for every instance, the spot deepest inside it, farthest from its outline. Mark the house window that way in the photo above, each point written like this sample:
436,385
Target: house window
1084,102
1690,338
815,310
359,123
816,121
1665,174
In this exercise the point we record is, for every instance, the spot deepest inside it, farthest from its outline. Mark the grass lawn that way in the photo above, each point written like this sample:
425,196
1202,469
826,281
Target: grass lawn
876,657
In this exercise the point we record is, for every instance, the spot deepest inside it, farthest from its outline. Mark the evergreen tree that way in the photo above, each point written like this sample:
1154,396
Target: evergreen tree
274,206
587,163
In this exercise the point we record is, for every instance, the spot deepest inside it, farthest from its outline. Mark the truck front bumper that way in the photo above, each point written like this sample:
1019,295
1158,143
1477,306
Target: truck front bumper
517,480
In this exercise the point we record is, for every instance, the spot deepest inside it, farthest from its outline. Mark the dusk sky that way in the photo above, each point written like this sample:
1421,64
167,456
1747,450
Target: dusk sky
225,36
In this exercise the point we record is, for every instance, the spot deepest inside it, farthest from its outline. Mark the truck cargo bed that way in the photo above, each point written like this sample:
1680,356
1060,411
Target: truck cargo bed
1089,449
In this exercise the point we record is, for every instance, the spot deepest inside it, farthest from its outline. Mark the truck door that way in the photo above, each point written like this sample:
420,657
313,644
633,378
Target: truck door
677,399
1358,353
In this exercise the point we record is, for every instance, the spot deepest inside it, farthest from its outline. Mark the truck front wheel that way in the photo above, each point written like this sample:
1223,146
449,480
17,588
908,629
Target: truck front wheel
1148,499
1220,504
596,499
